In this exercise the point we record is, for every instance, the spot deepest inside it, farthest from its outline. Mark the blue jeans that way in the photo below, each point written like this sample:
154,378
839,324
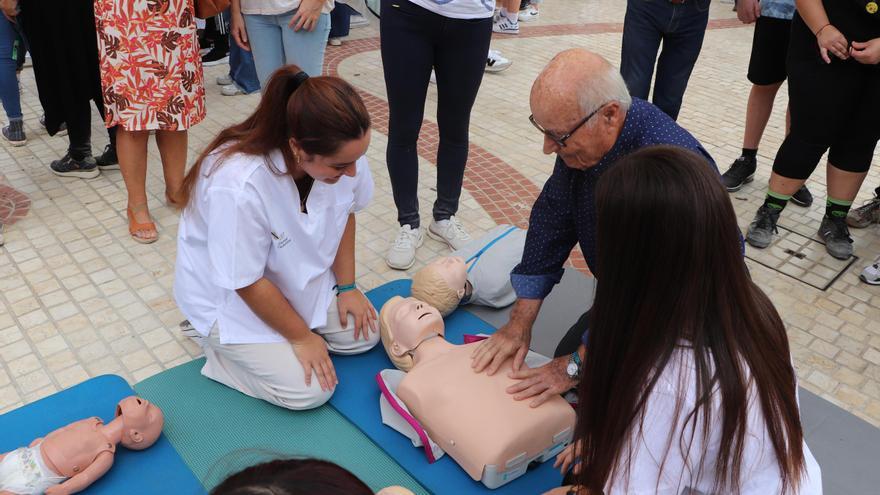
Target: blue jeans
340,20
242,69
8,82
274,44
681,28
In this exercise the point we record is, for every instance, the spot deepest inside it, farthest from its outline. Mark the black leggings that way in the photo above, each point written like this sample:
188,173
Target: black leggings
415,40
834,106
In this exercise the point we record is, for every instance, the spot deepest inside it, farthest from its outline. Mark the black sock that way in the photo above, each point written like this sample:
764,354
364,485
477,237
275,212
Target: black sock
749,153
837,208
776,201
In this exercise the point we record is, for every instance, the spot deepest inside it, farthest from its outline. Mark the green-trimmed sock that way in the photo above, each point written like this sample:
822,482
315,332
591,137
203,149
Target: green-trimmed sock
775,200
837,208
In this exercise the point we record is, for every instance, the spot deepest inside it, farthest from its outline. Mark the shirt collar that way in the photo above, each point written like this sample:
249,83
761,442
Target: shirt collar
626,142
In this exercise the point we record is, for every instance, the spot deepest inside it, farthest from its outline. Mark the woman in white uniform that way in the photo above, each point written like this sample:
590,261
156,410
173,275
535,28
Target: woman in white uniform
265,263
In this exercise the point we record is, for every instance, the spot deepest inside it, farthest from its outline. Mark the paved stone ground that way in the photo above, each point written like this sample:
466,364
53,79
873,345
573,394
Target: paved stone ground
80,299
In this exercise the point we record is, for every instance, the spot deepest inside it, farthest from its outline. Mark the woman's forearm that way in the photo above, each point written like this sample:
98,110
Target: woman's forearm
267,302
343,265
813,14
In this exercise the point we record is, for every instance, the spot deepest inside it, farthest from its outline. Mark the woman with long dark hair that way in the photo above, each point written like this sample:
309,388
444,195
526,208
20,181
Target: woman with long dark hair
687,382
265,268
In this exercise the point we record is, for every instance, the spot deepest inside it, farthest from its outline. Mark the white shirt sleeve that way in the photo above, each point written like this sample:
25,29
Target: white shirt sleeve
363,189
239,236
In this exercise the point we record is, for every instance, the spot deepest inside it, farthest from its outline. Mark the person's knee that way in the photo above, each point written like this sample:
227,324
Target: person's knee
302,398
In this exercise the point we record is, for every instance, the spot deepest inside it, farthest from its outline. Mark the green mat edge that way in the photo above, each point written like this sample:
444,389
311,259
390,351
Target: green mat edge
151,389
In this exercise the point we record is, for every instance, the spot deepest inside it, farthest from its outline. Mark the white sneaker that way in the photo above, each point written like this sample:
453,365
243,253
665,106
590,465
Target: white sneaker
224,80
357,20
334,42
449,231
530,13
495,62
871,273
231,90
402,253
505,26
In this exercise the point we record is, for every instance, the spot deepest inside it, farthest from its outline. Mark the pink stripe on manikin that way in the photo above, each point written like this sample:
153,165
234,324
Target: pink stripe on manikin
426,443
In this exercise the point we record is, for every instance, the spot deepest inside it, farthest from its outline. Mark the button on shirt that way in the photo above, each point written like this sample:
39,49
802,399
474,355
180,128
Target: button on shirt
565,211
245,223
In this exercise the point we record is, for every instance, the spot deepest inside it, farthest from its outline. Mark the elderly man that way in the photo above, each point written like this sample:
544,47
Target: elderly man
581,105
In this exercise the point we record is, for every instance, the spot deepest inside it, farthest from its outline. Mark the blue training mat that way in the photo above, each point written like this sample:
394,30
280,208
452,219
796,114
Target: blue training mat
357,398
157,469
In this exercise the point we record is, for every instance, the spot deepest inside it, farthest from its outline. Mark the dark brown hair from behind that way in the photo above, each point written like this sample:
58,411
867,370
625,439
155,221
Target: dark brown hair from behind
293,477
321,113
671,270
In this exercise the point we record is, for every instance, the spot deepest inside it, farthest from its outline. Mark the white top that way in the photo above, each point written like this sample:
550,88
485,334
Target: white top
244,223
760,473
276,7
458,9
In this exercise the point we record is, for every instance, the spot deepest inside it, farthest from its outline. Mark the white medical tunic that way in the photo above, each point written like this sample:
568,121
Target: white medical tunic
245,223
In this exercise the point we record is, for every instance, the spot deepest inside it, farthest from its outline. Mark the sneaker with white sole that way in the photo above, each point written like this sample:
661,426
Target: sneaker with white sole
530,13
871,273
495,62
402,252
231,90
450,232
505,26
224,80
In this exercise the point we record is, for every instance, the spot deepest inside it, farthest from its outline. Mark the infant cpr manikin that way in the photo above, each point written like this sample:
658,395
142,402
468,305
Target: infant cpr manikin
442,403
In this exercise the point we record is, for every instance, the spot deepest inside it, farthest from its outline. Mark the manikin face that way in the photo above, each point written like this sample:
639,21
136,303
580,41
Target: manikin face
453,271
142,422
411,322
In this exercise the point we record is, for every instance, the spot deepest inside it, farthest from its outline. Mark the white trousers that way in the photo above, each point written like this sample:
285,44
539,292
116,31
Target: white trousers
272,372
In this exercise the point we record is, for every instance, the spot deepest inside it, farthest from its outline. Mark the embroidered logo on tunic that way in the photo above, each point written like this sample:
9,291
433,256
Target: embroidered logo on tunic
871,7
280,240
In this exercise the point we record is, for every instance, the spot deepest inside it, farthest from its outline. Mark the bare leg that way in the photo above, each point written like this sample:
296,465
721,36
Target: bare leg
784,185
172,148
843,185
758,111
131,147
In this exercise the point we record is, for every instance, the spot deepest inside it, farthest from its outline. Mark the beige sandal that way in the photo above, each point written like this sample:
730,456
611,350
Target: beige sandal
134,227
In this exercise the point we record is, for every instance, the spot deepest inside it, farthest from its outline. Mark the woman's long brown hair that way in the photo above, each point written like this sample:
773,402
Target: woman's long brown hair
671,270
321,113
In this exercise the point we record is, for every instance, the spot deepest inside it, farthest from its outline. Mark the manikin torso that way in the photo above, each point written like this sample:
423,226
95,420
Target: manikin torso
70,449
470,415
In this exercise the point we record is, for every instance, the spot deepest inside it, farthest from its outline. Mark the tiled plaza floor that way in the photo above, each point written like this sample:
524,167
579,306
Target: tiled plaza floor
79,298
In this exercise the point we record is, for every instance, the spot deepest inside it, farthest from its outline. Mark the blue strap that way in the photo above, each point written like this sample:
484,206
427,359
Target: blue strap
479,253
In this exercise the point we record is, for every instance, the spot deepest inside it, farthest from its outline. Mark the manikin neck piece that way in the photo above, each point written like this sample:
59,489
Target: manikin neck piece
412,351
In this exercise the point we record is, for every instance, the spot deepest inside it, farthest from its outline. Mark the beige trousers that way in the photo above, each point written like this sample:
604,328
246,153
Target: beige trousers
272,372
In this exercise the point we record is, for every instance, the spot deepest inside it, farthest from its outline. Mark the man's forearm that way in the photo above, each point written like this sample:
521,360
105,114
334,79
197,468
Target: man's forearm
813,14
525,312
267,302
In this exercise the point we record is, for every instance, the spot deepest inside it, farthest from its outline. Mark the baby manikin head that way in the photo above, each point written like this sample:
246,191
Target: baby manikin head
441,283
404,324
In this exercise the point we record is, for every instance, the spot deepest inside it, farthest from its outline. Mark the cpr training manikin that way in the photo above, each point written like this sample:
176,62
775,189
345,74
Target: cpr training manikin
438,400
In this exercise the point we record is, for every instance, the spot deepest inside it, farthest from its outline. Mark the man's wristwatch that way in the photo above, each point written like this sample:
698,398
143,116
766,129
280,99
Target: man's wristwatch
574,366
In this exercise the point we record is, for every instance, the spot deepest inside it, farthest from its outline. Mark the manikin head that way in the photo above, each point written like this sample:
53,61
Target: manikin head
441,283
404,324
141,422
575,85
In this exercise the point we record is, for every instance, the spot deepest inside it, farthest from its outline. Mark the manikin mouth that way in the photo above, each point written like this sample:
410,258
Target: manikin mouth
424,315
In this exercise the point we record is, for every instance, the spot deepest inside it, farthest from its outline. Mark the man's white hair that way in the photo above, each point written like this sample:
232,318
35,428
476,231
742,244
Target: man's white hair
603,88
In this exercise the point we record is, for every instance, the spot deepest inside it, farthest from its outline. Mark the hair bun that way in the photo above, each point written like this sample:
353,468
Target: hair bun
297,80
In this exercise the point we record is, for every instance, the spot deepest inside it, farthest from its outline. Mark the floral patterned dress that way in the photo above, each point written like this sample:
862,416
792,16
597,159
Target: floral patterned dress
151,72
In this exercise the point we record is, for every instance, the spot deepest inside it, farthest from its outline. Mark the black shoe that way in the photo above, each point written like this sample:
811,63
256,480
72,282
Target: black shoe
68,167
803,197
741,171
835,233
62,129
761,229
14,133
215,57
108,160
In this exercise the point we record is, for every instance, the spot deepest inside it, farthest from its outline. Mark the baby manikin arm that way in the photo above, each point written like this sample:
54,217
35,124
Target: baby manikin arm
396,415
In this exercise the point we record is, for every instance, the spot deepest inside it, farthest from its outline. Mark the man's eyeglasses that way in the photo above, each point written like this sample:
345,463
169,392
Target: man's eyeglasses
560,140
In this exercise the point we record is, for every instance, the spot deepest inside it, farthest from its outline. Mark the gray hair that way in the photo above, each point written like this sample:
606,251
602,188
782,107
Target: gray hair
603,88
